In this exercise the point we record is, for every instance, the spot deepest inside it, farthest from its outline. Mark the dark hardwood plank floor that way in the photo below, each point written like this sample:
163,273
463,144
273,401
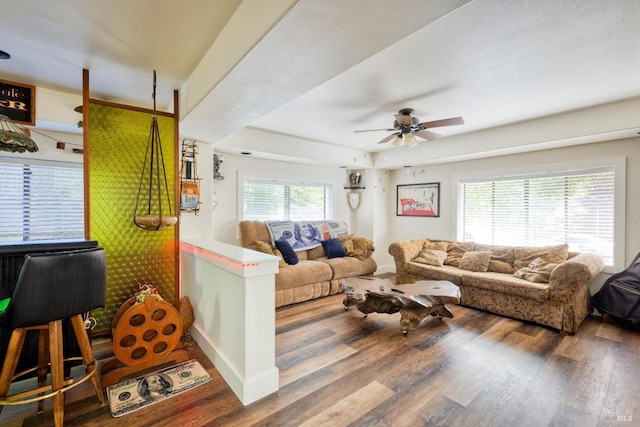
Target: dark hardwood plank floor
338,368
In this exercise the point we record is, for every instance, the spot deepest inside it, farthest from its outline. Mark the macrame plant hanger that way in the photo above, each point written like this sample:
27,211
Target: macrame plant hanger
152,218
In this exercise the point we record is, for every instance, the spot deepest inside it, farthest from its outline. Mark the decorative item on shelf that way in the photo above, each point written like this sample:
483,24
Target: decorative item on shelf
151,216
217,161
14,138
78,109
354,187
214,200
354,178
189,179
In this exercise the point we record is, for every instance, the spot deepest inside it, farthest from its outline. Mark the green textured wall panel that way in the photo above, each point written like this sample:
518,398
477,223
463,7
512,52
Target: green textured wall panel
118,142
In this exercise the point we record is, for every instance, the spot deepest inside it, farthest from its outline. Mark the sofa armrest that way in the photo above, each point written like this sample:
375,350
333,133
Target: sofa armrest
404,251
566,278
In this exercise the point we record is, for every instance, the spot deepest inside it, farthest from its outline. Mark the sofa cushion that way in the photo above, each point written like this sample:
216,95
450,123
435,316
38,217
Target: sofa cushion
333,248
431,257
538,271
552,254
342,267
431,272
475,261
287,251
313,253
455,251
505,284
303,273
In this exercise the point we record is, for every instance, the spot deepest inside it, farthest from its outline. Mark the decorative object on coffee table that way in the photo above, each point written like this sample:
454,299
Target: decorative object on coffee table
414,301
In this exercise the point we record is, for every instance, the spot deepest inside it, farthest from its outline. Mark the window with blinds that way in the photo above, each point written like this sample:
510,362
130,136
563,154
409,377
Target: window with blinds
574,207
281,199
40,202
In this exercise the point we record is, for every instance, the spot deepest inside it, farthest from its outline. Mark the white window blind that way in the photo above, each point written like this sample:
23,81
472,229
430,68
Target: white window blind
574,207
40,202
282,199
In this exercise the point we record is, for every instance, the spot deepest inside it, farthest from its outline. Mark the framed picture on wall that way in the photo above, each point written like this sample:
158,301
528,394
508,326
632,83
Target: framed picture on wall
418,200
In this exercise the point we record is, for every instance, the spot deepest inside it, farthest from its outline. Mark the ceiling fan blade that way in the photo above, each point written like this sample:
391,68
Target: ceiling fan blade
403,119
372,130
427,134
444,122
388,138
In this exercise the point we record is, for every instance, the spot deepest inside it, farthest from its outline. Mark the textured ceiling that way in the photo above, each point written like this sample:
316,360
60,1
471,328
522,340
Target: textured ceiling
314,71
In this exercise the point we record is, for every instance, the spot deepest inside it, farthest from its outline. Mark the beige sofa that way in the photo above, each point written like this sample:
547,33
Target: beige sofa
314,275
546,285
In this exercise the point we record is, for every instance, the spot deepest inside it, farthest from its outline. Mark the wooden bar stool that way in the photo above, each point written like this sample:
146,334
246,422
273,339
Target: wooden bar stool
52,287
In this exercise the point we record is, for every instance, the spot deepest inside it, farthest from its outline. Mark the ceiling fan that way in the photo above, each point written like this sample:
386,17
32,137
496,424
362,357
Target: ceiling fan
406,127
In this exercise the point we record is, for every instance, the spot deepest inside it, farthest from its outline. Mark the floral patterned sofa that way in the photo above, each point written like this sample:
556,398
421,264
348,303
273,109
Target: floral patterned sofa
546,285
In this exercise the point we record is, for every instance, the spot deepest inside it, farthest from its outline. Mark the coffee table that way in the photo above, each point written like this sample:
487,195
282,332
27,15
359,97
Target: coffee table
414,301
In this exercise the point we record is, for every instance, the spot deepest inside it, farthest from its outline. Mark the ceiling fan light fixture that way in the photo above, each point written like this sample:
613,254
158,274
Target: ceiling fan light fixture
397,141
410,140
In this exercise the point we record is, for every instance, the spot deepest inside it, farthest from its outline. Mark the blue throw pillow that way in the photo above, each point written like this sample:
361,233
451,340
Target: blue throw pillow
333,248
287,251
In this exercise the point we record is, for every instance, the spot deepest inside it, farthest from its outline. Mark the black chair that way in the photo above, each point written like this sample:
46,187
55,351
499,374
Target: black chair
52,287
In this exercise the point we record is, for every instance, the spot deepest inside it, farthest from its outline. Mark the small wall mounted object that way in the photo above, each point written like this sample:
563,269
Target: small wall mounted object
354,187
151,217
189,179
217,162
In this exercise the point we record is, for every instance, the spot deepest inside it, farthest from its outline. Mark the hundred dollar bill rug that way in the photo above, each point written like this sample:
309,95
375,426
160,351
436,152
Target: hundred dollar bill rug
136,393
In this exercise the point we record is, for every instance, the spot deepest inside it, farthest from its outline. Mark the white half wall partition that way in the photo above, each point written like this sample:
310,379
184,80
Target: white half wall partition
232,291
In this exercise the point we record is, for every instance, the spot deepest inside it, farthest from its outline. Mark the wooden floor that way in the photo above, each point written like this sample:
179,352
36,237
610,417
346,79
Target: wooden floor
338,368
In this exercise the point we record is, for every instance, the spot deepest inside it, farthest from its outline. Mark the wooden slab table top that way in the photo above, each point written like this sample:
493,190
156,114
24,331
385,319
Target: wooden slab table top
414,301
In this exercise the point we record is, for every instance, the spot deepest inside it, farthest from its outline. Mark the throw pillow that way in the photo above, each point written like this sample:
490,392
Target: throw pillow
500,266
455,251
333,248
267,248
435,244
362,247
538,271
551,254
431,257
264,247
287,251
347,244
501,258
475,261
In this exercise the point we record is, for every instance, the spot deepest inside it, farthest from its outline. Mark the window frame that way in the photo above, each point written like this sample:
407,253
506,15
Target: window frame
619,216
331,185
